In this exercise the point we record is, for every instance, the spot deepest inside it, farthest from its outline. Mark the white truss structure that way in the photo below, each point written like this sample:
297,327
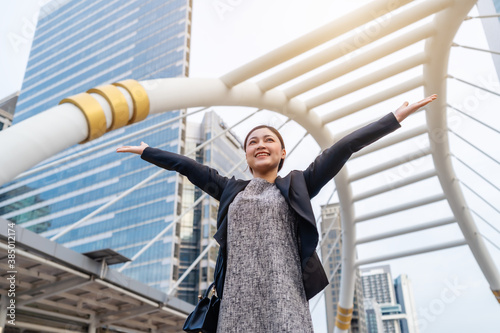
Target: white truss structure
343,41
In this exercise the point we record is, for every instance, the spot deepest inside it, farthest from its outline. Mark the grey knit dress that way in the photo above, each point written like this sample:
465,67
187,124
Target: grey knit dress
263,290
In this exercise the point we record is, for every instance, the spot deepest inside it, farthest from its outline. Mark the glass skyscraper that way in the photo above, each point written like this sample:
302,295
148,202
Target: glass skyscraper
77,46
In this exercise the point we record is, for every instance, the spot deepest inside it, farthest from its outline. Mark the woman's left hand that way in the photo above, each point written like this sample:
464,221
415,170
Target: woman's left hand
405,110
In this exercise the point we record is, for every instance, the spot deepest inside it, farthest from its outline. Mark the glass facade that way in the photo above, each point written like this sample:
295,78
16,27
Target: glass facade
78,46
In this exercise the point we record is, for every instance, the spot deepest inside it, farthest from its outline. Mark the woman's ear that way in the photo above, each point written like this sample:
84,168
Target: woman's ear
283,154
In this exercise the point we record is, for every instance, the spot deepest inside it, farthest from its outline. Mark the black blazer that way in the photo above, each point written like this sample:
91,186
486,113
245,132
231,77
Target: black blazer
298,187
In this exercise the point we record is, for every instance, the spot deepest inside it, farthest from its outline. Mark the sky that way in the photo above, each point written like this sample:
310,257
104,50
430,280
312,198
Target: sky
450,291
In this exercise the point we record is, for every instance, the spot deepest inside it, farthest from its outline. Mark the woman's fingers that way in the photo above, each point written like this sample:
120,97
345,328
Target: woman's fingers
427,100
405,110
132,149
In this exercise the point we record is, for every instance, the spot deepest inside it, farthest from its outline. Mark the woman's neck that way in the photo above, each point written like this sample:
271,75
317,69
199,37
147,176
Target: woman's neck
270,177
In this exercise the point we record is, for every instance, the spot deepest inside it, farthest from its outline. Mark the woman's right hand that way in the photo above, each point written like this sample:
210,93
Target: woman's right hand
133,149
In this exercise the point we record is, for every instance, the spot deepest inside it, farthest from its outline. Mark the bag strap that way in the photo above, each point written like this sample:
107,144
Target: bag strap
212,285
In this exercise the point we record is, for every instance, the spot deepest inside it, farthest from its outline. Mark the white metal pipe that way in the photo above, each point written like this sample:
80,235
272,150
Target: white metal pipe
402,207
393,139
361,59
481,16
352,42
473,85
337,27
37,138
413,252
373,99
367,121
435,74
390,164
476,49
106,144
164,95
404,231
394,185
367,80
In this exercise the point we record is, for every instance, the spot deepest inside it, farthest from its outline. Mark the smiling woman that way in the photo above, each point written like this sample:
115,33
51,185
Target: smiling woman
267,268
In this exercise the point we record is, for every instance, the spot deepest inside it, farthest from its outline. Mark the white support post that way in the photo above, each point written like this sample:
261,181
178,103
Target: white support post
435,74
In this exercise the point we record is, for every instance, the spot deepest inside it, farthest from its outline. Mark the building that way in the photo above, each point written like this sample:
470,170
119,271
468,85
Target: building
491,27
79,45
331,252
373,316
198,227
395,299
7,108
377,285
404,297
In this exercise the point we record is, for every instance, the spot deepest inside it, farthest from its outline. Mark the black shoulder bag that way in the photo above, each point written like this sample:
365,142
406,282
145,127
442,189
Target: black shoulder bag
205,315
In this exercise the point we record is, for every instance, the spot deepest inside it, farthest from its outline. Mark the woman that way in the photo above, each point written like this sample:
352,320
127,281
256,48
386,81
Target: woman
267,268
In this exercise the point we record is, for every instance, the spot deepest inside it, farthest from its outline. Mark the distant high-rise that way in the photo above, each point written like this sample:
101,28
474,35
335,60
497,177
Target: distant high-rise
373,316
331,253
79,45
378,285
404,297
395,300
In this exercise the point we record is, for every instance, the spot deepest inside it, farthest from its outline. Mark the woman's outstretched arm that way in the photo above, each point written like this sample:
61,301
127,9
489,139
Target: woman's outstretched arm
329,163
207,179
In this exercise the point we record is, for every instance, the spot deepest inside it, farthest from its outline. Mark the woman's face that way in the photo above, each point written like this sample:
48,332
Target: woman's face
263,151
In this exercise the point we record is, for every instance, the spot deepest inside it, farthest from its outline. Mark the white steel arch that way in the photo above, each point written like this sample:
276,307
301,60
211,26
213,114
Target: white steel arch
87,116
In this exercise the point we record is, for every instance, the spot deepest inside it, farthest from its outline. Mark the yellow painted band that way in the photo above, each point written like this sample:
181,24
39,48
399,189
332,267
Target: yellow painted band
118,103
496,293
344,318
139,97
93,112
341,325
343,310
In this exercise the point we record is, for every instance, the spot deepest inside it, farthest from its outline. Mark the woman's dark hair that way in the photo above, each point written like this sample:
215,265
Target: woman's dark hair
275,131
